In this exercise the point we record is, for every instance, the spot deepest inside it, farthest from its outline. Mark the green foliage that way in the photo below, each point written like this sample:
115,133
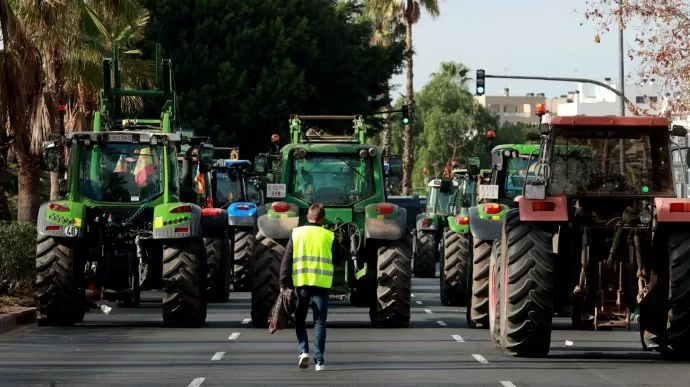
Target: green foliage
241,68
17,255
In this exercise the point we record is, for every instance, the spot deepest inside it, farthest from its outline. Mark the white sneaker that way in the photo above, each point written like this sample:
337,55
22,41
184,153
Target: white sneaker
320,366
303,361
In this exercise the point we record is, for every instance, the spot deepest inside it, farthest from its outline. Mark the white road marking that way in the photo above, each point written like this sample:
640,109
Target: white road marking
234,336
246,321
418,302
196,382
218,356
412,295
507,383
458,338
480,358
441,323
428,311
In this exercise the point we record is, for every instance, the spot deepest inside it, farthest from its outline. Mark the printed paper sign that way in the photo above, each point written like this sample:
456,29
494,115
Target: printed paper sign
489,191
275,190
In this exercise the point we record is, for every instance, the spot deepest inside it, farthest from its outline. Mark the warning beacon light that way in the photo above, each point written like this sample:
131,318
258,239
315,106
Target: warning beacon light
540,110
275,138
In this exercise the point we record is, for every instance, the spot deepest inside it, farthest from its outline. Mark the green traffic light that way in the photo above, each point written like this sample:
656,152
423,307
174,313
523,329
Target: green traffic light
645,189
480,90
406,120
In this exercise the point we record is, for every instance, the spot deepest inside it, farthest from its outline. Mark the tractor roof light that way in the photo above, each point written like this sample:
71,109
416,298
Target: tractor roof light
275,138
363,153
372,152
425,171
490,134
540,109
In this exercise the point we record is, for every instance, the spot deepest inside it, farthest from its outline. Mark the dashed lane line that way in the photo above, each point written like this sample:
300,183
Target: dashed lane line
196,382
428,311
507,383
413,295
234,336
458,338
480,358
246,321
441,323
218,356
418,302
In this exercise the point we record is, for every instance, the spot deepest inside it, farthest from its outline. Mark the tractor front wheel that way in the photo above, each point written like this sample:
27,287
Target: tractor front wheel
456,256
243,253
265,276
426,255
394,286
679,295
184,283
218,269
478,310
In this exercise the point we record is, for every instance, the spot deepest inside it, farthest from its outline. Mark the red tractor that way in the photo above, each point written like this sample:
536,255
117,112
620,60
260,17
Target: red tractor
597,233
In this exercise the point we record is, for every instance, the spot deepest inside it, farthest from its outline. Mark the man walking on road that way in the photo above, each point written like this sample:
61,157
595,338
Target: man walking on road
308,267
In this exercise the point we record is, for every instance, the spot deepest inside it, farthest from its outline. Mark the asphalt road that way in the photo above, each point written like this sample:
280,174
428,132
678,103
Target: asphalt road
131,347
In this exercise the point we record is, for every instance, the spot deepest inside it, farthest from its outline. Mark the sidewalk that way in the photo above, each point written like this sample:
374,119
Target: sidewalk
15,317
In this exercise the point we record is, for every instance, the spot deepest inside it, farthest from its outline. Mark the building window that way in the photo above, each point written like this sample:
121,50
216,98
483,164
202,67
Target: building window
653,99
639,99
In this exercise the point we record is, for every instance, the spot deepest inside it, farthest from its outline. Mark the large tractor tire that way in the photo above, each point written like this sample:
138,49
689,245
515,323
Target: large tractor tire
59,300
394,286
494,293
527,297
679,295
455,260
218,269
243,253
184,283
265,276
427,254
478,309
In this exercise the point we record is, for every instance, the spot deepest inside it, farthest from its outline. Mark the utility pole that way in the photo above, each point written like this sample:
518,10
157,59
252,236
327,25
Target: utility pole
621,55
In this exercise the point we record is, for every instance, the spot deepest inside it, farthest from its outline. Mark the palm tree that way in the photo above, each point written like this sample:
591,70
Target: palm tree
387,30
454,71
408,11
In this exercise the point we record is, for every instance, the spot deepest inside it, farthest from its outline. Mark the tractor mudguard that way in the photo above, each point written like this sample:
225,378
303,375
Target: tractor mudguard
432,226
664,212
549,209
387,227
61,218
241,214
279,220
214,222
176,220
484,229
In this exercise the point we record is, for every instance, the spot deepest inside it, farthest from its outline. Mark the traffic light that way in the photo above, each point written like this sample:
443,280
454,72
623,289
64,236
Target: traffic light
405,114
480,82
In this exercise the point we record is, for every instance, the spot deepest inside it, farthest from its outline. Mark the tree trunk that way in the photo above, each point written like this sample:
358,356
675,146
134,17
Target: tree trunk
387,133
408,148
53,71
29,198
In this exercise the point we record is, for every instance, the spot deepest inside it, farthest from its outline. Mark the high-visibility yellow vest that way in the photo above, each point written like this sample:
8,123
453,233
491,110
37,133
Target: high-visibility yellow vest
312,260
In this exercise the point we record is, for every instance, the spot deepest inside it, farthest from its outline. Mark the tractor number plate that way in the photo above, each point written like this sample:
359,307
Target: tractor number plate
120,137
275,190
488,191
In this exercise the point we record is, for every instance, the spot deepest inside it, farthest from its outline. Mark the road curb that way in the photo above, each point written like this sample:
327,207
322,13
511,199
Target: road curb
13,320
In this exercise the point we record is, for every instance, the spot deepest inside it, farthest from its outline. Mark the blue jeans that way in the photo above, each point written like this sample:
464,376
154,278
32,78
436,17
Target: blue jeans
318,298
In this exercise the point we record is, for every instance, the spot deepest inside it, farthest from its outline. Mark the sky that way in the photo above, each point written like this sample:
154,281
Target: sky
508,37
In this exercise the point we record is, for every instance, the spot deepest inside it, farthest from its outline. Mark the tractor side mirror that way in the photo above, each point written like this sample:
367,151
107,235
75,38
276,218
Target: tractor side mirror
260,165
497,160
49,158
473,164
678,130
205,158
544,128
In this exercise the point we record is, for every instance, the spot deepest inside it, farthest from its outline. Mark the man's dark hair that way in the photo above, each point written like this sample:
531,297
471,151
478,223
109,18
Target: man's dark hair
316,213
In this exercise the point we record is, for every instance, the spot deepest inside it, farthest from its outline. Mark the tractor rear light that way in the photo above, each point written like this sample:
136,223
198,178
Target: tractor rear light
462,220
181,209
492,208
243,207
52,228
384,208
543,206
181,229
426,222
58,207
679,207
280,207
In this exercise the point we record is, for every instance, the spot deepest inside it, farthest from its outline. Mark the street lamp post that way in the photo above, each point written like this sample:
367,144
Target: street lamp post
621,55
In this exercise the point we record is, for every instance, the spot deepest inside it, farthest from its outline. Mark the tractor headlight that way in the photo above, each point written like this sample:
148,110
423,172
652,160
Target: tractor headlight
372,152
645,217
363,153
507,153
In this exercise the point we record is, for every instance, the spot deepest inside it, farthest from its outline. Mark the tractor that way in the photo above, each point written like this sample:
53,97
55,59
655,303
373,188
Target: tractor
598,231
230,189
346,176
122,228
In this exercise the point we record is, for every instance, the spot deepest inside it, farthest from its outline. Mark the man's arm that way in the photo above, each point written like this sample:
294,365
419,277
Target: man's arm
286,266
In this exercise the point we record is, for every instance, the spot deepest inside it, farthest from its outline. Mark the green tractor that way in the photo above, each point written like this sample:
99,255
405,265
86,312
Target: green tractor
125,224
347,176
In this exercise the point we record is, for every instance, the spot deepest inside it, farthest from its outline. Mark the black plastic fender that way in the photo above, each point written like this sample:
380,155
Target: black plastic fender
387,229
214,222
484,229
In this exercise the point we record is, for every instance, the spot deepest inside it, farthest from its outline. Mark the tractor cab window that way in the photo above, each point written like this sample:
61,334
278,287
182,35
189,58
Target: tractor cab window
630,161
443,203
229,187
520,167
114,172
335,180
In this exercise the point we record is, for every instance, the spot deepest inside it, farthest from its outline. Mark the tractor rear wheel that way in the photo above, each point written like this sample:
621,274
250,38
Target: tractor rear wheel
394,286
456,256
218,269
243,253
184,282
59,300
679,294
527,287
478,309
426,255
265,276
494,292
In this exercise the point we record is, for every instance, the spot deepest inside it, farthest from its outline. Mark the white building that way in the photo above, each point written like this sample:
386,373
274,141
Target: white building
594,100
